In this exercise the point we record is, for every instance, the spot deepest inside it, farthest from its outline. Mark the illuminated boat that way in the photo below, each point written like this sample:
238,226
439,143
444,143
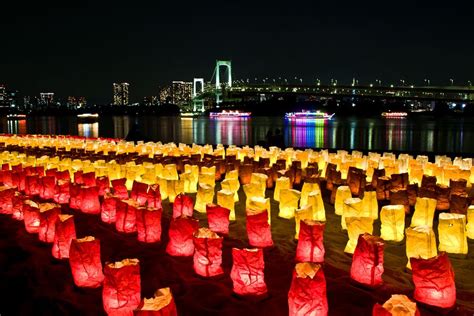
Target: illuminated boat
308,115
16,116
230,114
394,114
88,117
188,114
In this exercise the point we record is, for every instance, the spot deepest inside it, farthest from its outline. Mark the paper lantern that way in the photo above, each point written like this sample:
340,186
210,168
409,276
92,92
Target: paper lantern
121,290
399,180
258,229
452,233
103,184
193,171
260,204
108,209
260,179
17,206
6,199
343,193
442,197
207,178
88,179
175,187
245,173
31,216
204,196
181,232
307,188
420,243
315,200
424,212
393,222
139,192
78,177
32,185
218,218
120,189
64,234
400,197
48,187
225,198
288,203
459,203
383,188
252,190
434,281
48,215
75,196
352,207
470,222
149,224
62,193
126,216
304,213
84,259
154,196
232,185
367,261
307,295
90,203
247,272
458,186
310,242
207,256
183,205
162,304
355,227
356,181
370,204
398,305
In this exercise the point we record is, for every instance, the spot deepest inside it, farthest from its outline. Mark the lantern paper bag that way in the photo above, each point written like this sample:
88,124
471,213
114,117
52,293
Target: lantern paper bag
247,272
434,281
149,224
281,183
304,213
121,290
393,222
260,179
32,185
218,218
48,214
307,295
370,204
470,222
162,304
90,203
252,190
62,194
108,209
459,203
207,256
175,187
126,216
260,204
424,212
452,233
315,200
154,196
352,207
6,199
31,216
400,197
288,203
308,188
355,227
367,261
232,185
204,196
64,234
120,189
225,198
420,243
183,205
343,193
207,178
139,191
181,232
84,259
398,305
103,184
17,206
78,177
48,187
88,179
310,242
258,229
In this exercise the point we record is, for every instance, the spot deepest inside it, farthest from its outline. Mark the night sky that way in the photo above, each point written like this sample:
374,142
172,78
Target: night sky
82,47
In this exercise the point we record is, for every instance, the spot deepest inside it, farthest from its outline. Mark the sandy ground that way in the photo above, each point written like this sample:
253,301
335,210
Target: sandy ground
32,282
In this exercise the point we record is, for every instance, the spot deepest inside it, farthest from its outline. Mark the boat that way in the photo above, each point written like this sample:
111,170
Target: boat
88,117
16,116
230,114
189,114
308,115
394,114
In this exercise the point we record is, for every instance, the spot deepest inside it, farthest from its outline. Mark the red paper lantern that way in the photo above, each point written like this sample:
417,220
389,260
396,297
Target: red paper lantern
32,185
154,197
207,253
63,175
108,209
61,194
88,179
218,218
247,272
434,281
126,216
49,215
367,261
74,196
149,224
48,187
103,184
6,200
398,305
121,290
51,172
16,179
310,242
139,192
120,190
307,295
7,177
183,205
181,236
17,206
162,304
78,177
258,230
84,259
31,216
90,203
65,233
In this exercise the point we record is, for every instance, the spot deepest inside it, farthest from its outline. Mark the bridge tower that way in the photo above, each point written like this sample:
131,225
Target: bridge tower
228,65
198,87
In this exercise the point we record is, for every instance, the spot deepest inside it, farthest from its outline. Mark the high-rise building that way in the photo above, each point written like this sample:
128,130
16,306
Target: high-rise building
181,92
121,93
76,102
150,101
165,94
46,98
3,96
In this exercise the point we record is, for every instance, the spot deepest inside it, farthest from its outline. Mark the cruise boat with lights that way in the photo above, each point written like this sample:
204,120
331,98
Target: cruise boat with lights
88,117
230,114
397,115
16,116
308,115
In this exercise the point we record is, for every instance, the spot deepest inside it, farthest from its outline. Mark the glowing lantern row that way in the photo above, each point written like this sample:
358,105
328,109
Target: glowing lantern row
64,234
84,259
288,203
162,304
367,261
470,222
370,204
148,224
424,212
420,243
108,209
452,233
355,227
281,183
126,216
225,198
180,233
205,195
48,216
247,272
121,290
258,229
183,205
310,242
352,207
218,218
207,256
434,281
393,222
304,213
398,305
307,295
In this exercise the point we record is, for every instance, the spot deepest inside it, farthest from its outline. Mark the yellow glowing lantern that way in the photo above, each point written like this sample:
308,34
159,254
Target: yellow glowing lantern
232,185
355,227
205,195
281,183
149,175
452,233
260,204
470,222
170,172
420,243
225,198
193,170
352,208
315,200
307,188
175,187
260,179
163,183
306,212
424,212
207,178
253,190
393,222
288,202
370,204
343,193
232,174
211,170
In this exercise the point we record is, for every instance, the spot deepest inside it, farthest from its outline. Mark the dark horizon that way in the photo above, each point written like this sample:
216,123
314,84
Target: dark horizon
81,51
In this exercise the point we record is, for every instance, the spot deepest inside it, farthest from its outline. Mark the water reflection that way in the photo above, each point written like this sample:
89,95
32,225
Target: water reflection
307,133
121,126
16,127
88,129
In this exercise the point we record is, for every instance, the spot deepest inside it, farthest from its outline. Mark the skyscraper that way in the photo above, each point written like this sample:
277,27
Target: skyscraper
182,92
121,93
46,98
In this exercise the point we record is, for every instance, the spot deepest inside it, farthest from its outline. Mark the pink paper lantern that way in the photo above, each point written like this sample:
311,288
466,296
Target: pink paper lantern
48,187
17,206
183,205
258,230
88,179
16,179
162,304
48,215
84,259
120,190
149,224
247,272
6,200
367,261
61,194
181,232
207,253
78,177
32,185
139,192
74,196
310,242
154,197
90,203
126,216
31,216
103,184
65,233
218,218
108,209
